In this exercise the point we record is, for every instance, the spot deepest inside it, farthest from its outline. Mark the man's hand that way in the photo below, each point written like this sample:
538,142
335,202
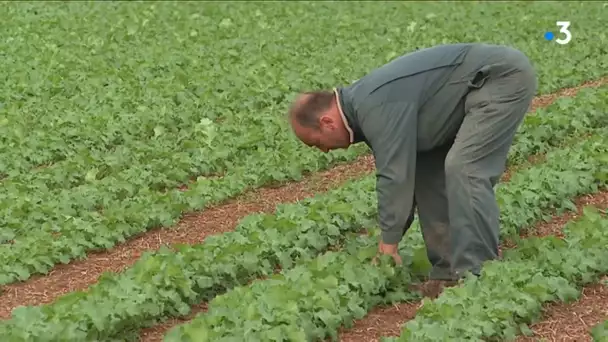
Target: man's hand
391,250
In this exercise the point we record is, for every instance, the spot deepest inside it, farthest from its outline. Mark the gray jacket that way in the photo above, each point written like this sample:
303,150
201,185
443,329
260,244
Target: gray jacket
413,103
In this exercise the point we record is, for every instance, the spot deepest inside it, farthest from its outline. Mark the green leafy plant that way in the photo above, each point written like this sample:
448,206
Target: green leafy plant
600,332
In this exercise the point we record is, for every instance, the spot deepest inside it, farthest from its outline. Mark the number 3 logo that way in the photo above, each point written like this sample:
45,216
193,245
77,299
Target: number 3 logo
564,25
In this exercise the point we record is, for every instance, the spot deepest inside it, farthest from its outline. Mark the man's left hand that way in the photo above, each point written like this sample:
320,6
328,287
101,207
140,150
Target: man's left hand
391,250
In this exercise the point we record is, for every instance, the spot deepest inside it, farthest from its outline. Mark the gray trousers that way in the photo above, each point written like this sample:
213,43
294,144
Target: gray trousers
454,192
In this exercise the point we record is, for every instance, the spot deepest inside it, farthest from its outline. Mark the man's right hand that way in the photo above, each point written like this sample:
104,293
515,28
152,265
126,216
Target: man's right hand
392,250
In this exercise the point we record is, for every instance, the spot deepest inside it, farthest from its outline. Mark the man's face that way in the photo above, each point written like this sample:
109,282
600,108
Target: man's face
329,136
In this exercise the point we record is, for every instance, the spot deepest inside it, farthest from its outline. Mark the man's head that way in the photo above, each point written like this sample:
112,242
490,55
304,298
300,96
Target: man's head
316,120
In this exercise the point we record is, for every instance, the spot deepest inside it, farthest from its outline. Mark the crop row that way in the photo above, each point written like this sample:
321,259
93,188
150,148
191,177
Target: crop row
42,201
509,294
204,150
600,332
64,226
166,283
309,302
248,312
112,86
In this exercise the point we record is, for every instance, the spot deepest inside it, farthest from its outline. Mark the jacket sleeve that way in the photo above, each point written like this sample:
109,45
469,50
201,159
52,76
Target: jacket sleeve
390,129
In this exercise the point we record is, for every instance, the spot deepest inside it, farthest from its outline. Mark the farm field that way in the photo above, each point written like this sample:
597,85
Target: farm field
152,188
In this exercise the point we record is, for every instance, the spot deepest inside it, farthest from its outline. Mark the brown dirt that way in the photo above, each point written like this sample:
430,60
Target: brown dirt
382,321
546,100
193,228
573,321
157,332
555,225
387,321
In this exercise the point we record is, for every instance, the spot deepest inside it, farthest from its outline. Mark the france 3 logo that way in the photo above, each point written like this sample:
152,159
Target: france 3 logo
564,37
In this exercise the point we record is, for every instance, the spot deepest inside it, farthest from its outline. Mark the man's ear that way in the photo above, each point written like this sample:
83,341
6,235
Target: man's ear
326,120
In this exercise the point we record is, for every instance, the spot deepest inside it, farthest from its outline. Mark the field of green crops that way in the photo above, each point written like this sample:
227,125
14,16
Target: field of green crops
117,118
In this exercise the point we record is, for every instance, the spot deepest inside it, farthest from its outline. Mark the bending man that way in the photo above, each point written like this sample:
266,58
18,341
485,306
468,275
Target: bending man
440,122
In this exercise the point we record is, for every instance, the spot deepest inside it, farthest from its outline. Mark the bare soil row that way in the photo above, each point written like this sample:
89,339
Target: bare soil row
573,321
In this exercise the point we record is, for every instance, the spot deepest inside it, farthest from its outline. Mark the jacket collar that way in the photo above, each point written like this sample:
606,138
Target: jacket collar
344,119
347,112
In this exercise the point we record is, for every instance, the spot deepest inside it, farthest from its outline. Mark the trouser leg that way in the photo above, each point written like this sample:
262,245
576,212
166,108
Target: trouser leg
432,203
494,111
